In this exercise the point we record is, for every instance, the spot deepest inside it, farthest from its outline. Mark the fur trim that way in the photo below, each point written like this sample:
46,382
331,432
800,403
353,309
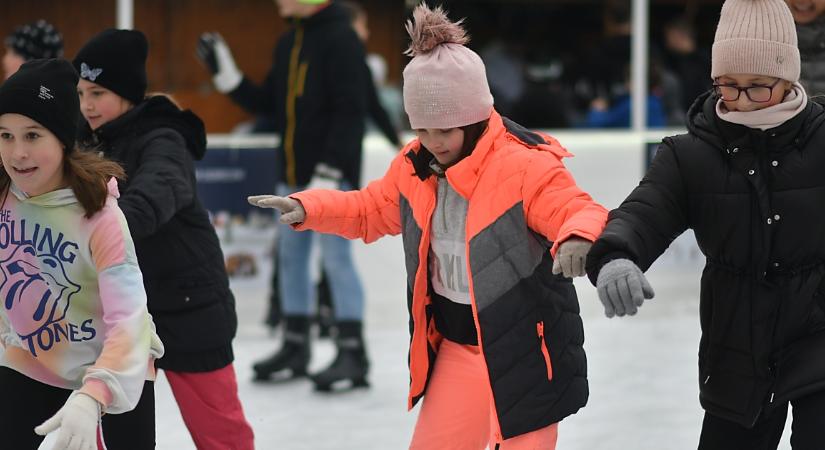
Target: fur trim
432,27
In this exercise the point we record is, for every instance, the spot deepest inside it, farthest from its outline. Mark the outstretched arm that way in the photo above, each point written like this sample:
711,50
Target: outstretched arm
367,214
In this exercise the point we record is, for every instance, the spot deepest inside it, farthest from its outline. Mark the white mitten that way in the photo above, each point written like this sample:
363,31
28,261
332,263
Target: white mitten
325,177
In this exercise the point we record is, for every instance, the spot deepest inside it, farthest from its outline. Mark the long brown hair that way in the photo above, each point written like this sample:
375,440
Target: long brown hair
87,174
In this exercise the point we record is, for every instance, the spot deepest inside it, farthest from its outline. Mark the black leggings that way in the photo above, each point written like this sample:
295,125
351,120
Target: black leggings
27,403
807,428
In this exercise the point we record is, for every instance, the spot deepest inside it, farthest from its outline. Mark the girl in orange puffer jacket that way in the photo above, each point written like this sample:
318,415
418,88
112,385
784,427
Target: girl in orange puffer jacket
494,228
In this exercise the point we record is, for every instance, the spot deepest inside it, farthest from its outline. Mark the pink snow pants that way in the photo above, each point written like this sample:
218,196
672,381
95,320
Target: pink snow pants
457,412
211,409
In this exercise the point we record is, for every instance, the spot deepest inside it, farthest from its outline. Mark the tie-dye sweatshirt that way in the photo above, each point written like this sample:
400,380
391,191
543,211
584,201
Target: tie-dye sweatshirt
73,304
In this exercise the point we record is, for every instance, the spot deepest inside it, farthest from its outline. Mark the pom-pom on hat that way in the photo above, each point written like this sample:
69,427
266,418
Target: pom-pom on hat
756,37
116,60
45,90
445,83
36,40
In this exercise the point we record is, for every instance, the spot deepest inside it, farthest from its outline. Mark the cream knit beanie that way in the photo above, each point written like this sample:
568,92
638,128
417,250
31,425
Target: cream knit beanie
756,37
445,84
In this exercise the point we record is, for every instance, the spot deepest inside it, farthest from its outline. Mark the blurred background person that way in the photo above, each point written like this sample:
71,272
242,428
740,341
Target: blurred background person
617,113
317,91
686,61
809,16
377,66
35,40
545,102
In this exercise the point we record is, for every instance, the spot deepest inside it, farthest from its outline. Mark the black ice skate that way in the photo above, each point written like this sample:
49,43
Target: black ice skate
292,359
350,366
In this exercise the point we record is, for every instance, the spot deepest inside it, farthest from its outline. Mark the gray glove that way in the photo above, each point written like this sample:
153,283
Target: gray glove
570,257
622,287
291,209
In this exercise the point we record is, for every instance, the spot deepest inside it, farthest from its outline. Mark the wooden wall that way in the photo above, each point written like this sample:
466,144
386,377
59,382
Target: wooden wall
250,27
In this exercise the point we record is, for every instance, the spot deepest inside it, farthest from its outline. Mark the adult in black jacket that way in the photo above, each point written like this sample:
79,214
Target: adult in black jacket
747,178
317,92
178,250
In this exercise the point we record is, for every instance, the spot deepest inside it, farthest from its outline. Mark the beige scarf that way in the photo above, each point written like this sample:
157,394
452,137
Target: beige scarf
769,117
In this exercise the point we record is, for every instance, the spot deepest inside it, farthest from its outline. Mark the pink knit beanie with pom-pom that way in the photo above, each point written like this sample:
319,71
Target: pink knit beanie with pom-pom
445,84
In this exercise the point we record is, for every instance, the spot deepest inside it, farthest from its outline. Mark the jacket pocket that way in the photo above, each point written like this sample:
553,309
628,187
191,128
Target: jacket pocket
544,351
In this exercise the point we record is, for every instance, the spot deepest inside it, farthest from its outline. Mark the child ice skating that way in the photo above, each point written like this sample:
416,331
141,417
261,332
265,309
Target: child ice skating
77,339
747,178
178,250
493,227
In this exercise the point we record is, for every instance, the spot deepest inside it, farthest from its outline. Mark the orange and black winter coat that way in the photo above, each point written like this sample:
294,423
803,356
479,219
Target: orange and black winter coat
522,202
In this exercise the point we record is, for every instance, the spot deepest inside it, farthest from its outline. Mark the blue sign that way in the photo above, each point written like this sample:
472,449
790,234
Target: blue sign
226,176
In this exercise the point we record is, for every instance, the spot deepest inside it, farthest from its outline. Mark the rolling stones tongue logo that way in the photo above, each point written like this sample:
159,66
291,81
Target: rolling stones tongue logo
34,290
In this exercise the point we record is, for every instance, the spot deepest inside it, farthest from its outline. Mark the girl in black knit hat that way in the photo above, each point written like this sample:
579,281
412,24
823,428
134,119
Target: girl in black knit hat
76,339
178,250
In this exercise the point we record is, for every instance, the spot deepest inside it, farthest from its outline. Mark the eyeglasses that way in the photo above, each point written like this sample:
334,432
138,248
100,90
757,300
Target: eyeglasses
757,94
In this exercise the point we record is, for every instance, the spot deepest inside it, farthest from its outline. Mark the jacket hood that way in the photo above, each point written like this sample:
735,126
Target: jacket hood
153,113
704,123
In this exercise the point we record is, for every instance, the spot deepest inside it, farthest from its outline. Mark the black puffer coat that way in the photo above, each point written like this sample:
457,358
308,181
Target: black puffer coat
177,247
756,202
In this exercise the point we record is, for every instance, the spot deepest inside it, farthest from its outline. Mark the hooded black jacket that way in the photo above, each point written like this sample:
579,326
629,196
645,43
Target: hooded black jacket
756,202
177,247
317,92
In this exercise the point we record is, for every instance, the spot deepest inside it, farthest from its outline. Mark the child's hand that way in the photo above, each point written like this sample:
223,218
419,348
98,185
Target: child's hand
622,287
77,421
571,256
291,209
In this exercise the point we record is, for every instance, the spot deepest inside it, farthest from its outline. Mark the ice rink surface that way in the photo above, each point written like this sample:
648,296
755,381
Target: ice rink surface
642,369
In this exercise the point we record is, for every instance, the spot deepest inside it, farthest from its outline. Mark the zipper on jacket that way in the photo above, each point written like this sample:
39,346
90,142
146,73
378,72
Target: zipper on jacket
291,95
544,351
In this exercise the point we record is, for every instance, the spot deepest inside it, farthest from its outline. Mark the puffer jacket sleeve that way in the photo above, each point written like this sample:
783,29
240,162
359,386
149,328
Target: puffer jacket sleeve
117,377
649,219
555,206
367,214
162,184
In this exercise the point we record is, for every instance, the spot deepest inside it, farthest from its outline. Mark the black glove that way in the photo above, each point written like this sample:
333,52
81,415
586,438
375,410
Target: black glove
206,52
215,55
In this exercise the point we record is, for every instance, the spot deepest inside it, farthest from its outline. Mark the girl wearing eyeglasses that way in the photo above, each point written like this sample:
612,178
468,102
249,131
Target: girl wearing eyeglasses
749,179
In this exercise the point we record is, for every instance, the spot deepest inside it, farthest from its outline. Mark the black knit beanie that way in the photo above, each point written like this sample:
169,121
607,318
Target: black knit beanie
45,90
116,60
36,40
